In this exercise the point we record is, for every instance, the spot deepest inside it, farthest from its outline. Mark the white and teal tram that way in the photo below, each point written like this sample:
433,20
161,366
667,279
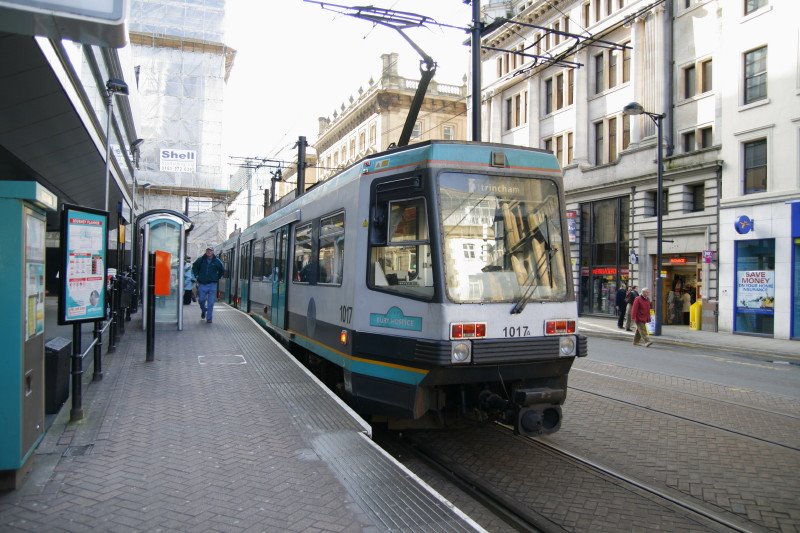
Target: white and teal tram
431,279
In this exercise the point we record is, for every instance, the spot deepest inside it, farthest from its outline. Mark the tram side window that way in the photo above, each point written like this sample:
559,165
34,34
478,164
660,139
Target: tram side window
258,260
331,249
244,264
402,263
269,259
302,265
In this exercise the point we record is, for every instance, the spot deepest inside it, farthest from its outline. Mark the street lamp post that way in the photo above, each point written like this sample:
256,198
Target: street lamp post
634,108
136,147
114,86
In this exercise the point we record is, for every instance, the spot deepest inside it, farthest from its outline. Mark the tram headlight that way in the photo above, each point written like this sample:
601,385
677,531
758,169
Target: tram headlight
460,352
566,346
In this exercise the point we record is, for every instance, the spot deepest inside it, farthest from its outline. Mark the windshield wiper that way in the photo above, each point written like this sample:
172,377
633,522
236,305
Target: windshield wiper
546,257
527,295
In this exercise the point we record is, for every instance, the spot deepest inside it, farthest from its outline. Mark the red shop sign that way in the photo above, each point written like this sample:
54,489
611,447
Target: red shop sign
677,260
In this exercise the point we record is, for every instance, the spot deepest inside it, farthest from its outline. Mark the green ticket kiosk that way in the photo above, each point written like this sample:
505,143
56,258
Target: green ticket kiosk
23,205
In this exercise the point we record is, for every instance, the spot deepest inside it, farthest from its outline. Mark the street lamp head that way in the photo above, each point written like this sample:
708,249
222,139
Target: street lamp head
136,144
117,86
634,108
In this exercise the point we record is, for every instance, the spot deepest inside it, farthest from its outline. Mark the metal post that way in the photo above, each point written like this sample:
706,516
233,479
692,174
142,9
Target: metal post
301,165
98,351
151,309
659,225
76,413
109,109
476,70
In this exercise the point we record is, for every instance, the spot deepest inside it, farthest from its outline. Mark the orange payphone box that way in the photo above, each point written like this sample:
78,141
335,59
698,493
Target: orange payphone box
163,273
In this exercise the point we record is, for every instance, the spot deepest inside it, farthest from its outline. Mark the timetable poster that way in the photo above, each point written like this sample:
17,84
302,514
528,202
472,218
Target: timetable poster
85,265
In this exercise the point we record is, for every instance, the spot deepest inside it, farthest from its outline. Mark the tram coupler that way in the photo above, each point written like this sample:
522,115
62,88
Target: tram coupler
528,397
538,420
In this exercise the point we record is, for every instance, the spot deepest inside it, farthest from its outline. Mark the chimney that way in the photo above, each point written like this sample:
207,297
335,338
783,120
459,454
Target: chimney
389,65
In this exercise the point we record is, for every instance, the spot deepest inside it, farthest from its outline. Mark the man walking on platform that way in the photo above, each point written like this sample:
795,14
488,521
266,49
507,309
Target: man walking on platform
629,299
641,315
208,270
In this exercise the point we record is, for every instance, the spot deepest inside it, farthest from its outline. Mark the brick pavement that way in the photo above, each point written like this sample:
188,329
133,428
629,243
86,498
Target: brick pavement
222,432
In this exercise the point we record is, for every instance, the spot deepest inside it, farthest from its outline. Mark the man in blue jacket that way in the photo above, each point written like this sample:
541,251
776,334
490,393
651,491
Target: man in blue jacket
208,270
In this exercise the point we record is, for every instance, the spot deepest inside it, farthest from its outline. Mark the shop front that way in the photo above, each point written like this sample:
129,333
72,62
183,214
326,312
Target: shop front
682,275
604,254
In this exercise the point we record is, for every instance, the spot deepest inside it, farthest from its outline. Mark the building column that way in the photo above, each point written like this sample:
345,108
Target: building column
534,135
580,154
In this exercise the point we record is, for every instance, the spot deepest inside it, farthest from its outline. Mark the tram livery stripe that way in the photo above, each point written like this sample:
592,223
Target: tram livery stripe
367,367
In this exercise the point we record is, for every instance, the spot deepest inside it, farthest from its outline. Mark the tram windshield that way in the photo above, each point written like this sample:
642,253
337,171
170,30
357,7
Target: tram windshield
501,238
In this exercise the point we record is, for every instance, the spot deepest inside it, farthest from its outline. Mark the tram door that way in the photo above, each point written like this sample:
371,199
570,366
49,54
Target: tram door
244,277
282,270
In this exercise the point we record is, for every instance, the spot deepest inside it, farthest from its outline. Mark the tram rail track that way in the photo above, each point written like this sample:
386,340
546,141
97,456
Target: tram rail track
520,515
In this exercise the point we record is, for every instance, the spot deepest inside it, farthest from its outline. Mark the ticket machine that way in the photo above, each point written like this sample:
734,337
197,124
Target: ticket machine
22,260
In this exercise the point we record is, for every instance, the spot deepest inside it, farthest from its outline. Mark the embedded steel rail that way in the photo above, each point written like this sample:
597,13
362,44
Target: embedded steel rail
518,516
684,503
694,421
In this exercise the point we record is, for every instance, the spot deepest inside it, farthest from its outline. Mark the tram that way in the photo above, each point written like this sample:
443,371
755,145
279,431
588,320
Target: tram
426,283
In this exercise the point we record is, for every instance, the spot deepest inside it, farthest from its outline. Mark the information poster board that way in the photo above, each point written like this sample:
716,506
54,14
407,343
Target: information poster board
84,238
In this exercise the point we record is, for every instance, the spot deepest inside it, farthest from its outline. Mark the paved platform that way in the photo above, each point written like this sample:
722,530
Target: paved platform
761,347
222,432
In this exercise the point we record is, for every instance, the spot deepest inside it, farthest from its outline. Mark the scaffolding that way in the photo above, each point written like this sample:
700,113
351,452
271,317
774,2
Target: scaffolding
182,67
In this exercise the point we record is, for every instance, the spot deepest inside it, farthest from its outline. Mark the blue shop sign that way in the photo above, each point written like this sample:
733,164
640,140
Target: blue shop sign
744,224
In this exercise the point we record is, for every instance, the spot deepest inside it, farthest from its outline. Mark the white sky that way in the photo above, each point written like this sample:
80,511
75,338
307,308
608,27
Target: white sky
296,62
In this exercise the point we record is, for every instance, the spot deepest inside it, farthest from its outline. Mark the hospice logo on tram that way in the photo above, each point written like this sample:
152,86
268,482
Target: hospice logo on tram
174,160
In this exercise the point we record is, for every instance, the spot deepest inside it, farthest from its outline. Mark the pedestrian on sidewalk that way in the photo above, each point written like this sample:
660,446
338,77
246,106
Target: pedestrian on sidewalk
641,315
188,281
208,270
621,304
629,299
686,301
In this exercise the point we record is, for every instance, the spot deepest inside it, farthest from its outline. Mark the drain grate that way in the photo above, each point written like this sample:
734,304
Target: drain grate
74,451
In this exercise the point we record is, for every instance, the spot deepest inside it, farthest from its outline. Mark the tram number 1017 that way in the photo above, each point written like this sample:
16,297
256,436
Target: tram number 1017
516,331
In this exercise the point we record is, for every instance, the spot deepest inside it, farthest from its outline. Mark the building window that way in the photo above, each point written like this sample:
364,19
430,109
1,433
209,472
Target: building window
556,35
560,148
755,166
344,153
559,91
448,132
705,76
689,142
603,253
548,96
689,81
698,197
569,148
570,86
626,62
598,14
362,140
751,6
373,136
417,130
561,141
352,148
706,137
585,15
612,68
755,281
516,110
626,131
598,143
599,74
612,139
755,75
469,250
